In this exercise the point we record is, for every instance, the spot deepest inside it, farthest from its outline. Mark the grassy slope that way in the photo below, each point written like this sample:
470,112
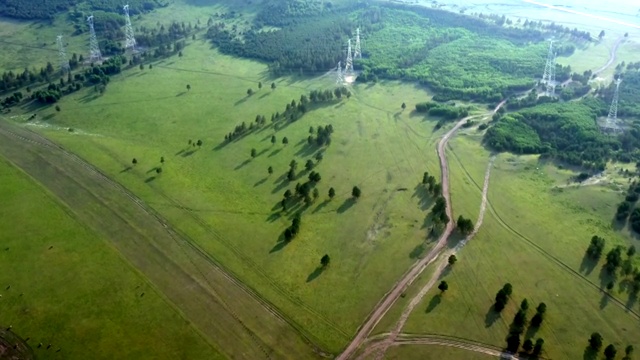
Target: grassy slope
430,352
54,266
375,146
526,202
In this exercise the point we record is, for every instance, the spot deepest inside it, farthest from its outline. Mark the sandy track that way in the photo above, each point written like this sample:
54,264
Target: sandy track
390,298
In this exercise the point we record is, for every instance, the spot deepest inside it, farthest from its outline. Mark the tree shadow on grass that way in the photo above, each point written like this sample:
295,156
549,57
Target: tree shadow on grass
283,184
314,275
605,277
128,168
280,244
243,164
274,216
604,300
346,205
589,354
241,101
275,152
531,332
588,264
417,251
265,95
321,206
491,317
307,150
152,169
434,302
150,179
260,182
188,153
425,199
631,301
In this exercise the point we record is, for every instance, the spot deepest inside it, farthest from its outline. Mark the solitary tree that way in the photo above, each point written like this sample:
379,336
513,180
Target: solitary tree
452,259
524,305
285,141
601,35
273,86
610,285
595,341
260,85
527,346
134,161
141,66
254,153
325,260
404,106
356,192
162,159
270,170
273,139
610,352
249,92
158,170
57,107
311,130
188,87
443,286
199,143
332,193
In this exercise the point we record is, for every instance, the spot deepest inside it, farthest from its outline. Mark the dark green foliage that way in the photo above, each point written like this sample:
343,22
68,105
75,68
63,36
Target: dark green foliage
527,346
285,141
631,251
41,9
325,260
452,260
287,194
628,350
286,12
536,320
513,342
524,305
614,259
610,352
594,251
508,289
634,220
439,212
158,170
519,322
356,192
270,170
502,297
291,174
537,349
134,161
446,111
443,286
332,193
291,232
512,134
273,139
465,226
309,165
254,153
314,177
595,341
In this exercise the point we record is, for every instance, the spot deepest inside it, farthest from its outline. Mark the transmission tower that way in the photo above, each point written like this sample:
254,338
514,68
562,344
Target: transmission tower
549,67
551,82
612,118
357,53
348,68
340,76
94,49
64,61
130,42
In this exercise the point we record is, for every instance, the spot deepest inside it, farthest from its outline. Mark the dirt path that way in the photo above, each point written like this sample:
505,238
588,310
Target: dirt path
612,56
439,270
245,326
390,298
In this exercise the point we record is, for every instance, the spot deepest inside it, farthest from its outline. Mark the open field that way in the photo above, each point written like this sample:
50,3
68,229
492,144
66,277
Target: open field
375,146
50,264
410,352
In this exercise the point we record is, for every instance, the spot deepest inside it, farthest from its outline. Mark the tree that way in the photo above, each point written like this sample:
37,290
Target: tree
291,175
260,85
601,35
285,141
273,86
141,66
452,260
150,66
180,54
309,165
356,192
316,193
403,106
58,108
325,260
319,156
610,352
610,285
527,346
594,251
273,139
158,170
254,153
631,251
595,341
464,225
425,178
542,308
524,305
270,170
188,87
311,130
249,92
443,286
199,143
508,289
287,194
314,177
134,161
536,320
628,351
161,159
332,193
537,349
513,342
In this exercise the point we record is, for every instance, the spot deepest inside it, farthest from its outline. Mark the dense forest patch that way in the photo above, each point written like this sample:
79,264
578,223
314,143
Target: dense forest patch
45,9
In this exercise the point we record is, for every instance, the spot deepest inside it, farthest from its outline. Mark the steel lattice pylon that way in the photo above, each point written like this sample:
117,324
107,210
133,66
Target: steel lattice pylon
357,53
94,49
348,68
340,74
130,40
62,54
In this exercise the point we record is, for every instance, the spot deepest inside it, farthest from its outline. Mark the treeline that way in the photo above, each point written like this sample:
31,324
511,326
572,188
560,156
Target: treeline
618,266
40,9
564,131
307,47
287,12
446,111
627,210
628,105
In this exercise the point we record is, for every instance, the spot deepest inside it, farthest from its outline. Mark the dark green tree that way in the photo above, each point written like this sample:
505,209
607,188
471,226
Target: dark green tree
513,342
141,66
58,108
601,35
425,177
595,341
325,260
524,305
260,85
134,161
319,156
291,175
254,153
527,346
311,130
610,352
273,86
403,106
285,141
443,286
199,143
270,170
332,193
610,285
287,194
273,139
161,159
508,289
452,259
537,349
188,87
631,251
316,193
158,170
356,192
249,92
628,351
309,165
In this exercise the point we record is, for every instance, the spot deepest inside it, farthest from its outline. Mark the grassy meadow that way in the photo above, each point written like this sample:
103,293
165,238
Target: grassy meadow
61,284
228,202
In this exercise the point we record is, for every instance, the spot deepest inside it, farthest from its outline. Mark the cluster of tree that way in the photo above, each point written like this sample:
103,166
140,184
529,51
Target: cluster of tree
323,135
624,209
446,111
518,326
12,99
48,9
14,81
575,33
465,226
595,345
502,297
439,212
429,181
288,12
292,231
628,105
564,131
574,90
532,99
303,191
596,247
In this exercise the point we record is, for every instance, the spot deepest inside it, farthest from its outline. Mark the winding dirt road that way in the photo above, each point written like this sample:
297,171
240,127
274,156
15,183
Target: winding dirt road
390,298
612,56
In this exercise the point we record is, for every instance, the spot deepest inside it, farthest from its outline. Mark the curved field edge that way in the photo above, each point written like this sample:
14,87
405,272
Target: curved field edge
63,285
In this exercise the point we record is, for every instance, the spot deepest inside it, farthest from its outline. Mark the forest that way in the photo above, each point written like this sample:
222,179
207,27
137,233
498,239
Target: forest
564,131
46,9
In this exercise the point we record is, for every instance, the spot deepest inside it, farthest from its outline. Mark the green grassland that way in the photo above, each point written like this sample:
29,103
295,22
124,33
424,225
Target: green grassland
432,352
522,195
225,199
63,285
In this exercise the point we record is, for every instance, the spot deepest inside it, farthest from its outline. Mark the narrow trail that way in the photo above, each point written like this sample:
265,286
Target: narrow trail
439,270
414,271
613,54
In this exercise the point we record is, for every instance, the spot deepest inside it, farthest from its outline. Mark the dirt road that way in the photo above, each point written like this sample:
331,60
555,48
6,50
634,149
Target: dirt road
612,56
390,298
